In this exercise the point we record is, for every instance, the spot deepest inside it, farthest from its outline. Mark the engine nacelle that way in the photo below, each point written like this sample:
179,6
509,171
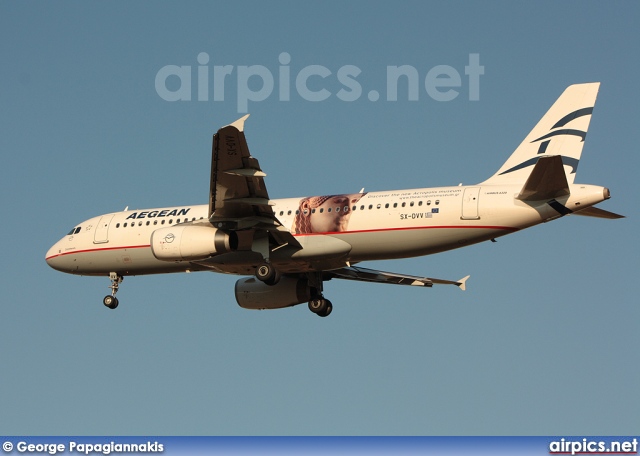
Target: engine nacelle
191,242
254,294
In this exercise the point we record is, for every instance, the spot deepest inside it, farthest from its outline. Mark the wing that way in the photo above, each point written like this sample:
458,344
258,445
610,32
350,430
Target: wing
371,275
237,182
238,197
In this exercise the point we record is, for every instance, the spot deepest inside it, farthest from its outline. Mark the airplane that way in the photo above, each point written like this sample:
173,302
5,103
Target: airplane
290,247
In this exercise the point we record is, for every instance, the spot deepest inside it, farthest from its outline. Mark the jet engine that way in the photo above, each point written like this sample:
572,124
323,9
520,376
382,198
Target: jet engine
251,293
191,242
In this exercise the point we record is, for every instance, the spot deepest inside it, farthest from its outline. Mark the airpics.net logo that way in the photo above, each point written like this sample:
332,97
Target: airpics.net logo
314,83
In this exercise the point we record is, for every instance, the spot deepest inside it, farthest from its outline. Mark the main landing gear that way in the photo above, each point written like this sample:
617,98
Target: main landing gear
269,275
320,306
110,300
265,272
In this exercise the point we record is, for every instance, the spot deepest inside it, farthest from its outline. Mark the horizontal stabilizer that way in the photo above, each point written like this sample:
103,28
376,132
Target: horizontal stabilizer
546,181
599,213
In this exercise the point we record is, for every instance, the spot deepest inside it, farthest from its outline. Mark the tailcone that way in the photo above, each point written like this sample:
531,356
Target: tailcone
583,196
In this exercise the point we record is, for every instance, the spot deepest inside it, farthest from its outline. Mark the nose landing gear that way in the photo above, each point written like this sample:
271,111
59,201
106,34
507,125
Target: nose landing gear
110,300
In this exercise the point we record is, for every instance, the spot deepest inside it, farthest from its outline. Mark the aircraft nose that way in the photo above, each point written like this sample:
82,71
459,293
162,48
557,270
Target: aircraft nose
54,257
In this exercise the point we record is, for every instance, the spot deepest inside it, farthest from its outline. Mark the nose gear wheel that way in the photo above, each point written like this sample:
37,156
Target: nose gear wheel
111,301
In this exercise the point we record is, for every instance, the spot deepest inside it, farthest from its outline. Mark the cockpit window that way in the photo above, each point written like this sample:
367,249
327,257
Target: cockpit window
77,230
74,230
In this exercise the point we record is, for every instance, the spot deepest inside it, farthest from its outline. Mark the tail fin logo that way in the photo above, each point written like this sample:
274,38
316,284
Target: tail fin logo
556,130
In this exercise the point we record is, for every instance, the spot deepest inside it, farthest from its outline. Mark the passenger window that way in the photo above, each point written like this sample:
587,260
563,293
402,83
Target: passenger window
313,211
155,222
162,223
117,225
125,225
428,202
437,202
386,206
346,209
329,210
140,223
411,204
281,213
362,207
395,204
378,206
148,223
289,212
370,206
420,203
170,221
321,210
404,204
337,209
354,208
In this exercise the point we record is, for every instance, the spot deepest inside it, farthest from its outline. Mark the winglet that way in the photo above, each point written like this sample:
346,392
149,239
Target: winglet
239,124
462,283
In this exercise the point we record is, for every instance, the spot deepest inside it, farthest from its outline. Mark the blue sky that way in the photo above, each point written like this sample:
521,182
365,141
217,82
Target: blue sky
545,339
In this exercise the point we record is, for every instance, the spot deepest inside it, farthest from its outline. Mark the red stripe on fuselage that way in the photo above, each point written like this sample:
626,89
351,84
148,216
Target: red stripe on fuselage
99,250
505,228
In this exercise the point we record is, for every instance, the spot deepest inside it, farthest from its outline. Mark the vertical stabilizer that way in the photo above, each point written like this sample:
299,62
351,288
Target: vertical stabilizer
561,131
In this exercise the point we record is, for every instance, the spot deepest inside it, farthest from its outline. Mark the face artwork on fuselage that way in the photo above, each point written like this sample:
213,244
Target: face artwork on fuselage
324,214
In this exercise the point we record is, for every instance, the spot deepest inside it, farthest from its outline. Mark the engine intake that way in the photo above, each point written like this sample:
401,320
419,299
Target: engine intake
191,242
254,294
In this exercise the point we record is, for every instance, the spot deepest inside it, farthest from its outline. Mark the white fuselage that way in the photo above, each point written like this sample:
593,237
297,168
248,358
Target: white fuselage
375,225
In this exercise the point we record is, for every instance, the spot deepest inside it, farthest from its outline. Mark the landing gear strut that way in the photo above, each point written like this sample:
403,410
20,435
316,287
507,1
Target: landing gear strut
110,300
318,304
